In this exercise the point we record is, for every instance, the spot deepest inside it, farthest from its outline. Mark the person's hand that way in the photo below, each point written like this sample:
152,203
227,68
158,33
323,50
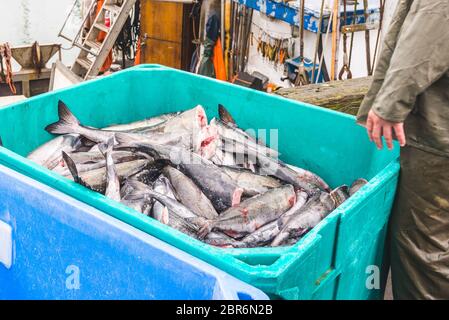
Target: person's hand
378,127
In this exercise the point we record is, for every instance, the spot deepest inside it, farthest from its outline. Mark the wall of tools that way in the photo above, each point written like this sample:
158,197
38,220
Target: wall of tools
237,38
291,55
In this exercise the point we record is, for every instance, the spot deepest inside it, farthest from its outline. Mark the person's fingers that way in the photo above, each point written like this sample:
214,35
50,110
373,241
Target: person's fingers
386,130
377,135
400,134
369,127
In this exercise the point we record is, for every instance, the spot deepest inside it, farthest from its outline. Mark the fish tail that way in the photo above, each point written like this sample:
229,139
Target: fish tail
125,140
72,168
236,197
138,189
225,116
280,239
205,226
203,232
67,122
107,147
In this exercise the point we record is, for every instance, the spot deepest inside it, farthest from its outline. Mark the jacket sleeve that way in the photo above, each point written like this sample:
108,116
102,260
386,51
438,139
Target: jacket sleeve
420,58
383,62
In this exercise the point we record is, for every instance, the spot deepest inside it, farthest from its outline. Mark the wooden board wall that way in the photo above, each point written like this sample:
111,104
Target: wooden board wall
166,29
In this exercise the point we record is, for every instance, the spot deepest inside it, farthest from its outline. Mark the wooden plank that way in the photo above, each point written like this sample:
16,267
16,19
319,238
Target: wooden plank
39,86
162,32
344,96
31,74
26,88
163,52
162,20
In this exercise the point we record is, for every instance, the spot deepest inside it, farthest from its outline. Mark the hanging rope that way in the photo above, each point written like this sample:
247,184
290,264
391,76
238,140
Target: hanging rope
5,62
128,38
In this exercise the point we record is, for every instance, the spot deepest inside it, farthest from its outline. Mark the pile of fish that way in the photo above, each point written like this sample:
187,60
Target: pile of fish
210,180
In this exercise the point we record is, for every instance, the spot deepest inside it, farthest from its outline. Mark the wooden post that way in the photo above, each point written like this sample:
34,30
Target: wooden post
335,32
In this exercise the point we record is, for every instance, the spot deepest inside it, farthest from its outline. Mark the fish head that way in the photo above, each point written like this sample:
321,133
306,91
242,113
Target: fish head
340,194
327,201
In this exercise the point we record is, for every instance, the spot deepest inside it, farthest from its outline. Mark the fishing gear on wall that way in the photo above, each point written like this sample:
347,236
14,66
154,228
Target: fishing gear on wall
241,17
272,48
129,36
195,14
6,67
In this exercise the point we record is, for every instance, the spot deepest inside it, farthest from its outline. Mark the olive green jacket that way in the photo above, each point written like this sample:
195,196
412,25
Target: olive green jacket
411,80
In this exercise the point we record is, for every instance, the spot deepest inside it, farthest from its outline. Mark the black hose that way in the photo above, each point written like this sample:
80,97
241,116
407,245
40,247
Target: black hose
129,36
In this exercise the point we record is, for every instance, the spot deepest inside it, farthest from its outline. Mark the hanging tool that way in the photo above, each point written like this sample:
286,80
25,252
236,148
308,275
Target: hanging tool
354,22
335,32
246,32
318,38
248,37
239,37
303,77
128,38
323,68
326,37
233,40
345,68
367,39
381,18
227,35
222,25
194,16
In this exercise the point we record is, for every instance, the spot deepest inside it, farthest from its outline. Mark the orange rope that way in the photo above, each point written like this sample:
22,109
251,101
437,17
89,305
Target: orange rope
5,55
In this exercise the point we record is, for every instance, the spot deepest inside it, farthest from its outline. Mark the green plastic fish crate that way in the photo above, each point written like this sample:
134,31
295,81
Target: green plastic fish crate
333,261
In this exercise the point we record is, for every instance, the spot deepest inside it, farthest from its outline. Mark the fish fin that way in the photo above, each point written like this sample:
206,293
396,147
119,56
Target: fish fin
67,122
137,185
125,140
135,195
161,163
107,147
72,168
237,197
165,216
225,116
280,239
205,225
